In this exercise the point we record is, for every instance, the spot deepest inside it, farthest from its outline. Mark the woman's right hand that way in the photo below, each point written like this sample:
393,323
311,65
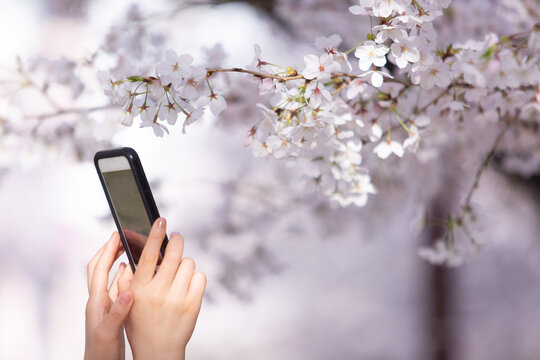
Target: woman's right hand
166,303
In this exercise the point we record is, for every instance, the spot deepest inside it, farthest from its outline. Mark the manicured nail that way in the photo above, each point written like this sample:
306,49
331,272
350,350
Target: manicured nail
160,222
175,233
125,297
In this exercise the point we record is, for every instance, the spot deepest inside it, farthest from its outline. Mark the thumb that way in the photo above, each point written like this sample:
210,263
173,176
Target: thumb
112,323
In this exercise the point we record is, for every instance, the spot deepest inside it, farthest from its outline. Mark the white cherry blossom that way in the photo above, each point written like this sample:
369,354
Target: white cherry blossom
320,68
329,44
387,147
279,146
316,94
438,74
173,67
376,77
405,52
385,8
385,32
192,78
369,54
158,128
362,8
361,186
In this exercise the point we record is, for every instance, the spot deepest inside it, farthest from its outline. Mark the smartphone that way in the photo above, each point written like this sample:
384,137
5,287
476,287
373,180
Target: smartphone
130,199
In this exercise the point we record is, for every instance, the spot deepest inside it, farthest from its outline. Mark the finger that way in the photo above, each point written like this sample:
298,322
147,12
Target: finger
119,311
125,279
196,290
136,243
150,255
93,262
100,277
183,276
113,289
92,265
171,261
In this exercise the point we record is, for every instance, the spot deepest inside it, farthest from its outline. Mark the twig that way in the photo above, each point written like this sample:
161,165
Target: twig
257,74
70,111
437,98
343,86
467,203
296,76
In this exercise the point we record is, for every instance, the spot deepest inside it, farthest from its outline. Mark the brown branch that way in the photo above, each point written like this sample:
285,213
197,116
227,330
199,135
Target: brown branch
256,74
478,175
70,111
297,76
339,89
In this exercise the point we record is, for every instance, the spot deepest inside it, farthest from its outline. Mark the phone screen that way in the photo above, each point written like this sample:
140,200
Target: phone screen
127,202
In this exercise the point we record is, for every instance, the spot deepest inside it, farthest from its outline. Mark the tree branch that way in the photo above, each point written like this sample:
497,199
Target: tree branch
478,175
70,111
297,76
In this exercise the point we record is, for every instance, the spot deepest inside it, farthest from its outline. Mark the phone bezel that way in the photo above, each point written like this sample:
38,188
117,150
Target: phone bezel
144,191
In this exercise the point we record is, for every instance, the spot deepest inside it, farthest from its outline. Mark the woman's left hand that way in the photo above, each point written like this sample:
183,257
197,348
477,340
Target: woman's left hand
106,309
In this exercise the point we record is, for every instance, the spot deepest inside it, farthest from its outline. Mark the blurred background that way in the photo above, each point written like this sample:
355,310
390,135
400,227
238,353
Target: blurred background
290,276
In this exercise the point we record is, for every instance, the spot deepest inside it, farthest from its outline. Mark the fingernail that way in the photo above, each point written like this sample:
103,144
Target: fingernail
175,233
160,222
125,297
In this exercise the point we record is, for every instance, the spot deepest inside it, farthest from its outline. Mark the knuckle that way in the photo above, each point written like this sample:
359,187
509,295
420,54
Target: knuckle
151,258
187,308
116,313
190,308
89,307
173,255
122,284
180,304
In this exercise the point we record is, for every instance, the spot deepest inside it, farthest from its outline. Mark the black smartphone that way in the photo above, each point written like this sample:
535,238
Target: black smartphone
130,199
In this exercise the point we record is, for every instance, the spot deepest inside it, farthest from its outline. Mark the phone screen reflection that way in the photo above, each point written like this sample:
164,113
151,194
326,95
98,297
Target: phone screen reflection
130,210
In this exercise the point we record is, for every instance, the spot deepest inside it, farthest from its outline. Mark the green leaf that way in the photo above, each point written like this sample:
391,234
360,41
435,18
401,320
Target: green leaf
135,78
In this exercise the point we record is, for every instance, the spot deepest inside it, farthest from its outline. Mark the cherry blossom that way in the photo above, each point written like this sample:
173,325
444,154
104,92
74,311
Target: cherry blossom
159,129
320,68
371,54
387,147
316,94
173,68
278,145
329,44
438,74
322,112
384,8
405,52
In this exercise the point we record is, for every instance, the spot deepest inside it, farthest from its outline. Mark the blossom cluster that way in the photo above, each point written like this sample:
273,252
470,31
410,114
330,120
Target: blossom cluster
336,113
179,89
345,113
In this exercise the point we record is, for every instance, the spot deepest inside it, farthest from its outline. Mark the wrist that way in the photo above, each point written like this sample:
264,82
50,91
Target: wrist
158,355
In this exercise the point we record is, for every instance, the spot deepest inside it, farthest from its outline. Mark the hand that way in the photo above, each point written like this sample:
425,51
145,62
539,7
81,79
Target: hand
166,303
106,310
